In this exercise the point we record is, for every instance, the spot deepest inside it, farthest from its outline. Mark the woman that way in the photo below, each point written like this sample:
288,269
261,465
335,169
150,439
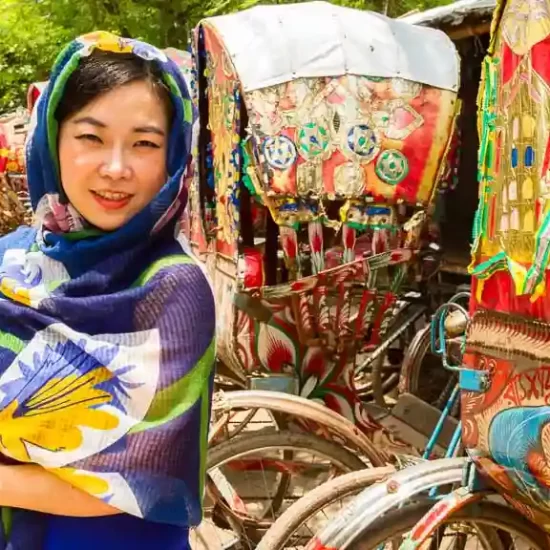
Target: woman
106,324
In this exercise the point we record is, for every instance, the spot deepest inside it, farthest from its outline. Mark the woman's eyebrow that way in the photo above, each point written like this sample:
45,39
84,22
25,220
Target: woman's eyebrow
90,120
149,130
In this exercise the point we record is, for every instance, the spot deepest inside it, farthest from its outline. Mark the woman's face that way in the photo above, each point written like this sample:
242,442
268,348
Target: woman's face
112,154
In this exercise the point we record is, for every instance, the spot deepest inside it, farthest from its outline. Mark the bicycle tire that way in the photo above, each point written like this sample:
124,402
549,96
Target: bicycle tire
243,444
493,518
379,384
413,367
312,503
413,361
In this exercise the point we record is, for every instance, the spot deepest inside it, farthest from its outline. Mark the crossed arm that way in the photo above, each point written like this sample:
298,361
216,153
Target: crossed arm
34,488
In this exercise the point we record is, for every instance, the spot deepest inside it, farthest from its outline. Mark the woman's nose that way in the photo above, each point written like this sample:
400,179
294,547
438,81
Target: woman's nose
115,166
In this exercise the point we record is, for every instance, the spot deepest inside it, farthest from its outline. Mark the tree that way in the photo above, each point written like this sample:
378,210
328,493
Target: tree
33,31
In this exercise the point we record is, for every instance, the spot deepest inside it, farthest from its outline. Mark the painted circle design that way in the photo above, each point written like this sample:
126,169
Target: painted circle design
279,152
363,141
392,166
313,140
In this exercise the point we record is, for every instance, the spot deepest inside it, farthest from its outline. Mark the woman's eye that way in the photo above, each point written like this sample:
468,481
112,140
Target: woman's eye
89,137
146,143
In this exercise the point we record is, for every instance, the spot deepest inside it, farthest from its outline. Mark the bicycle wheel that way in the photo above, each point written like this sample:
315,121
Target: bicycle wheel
493,526
260,411
423,374
253,478
303,519
380,380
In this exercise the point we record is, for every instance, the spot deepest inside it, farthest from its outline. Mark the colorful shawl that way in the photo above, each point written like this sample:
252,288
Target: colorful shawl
107,339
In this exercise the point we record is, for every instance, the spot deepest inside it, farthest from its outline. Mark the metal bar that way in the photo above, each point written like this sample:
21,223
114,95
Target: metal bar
378,499
388,341
439,426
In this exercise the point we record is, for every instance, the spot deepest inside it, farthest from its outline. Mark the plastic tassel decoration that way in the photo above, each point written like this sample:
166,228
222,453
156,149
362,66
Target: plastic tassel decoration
315,233
289,244
349,236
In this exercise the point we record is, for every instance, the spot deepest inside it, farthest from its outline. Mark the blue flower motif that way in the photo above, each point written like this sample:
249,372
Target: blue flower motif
26,278
146,51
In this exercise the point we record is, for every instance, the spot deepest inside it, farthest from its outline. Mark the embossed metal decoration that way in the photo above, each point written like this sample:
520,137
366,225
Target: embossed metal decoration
313,140
392,166
279,152
363,141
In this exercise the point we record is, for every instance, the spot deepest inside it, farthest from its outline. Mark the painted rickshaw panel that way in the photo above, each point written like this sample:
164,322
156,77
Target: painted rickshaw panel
507,427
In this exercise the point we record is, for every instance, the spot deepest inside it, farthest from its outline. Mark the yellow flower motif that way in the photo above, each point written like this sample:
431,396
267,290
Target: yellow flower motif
86,481
52,418
107,42
10,288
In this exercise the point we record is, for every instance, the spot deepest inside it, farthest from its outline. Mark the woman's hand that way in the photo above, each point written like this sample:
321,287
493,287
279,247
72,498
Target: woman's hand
32,487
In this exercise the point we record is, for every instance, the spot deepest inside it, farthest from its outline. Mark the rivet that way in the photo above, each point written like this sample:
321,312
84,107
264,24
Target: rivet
392,486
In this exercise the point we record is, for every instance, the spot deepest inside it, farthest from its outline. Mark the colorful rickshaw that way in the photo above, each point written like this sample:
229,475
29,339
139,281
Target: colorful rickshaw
320,150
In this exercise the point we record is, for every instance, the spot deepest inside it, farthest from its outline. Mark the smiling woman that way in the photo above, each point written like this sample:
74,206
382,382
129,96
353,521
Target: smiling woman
112,148
106,323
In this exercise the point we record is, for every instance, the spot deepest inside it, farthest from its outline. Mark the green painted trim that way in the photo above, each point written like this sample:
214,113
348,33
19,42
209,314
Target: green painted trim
11,342
167,261
175,400
487,268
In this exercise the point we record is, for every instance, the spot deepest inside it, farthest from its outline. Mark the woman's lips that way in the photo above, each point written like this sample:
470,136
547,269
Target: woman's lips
111,201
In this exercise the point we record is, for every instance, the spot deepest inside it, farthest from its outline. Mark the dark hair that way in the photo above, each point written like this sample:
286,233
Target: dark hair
102,72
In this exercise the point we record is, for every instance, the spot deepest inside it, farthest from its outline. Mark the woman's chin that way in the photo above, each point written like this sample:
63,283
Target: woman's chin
108,223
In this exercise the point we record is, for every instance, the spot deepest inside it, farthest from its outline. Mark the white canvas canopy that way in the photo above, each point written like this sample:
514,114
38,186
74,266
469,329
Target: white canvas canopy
270,45
453,14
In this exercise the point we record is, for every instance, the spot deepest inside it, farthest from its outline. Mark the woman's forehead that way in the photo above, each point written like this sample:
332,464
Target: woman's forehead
134,104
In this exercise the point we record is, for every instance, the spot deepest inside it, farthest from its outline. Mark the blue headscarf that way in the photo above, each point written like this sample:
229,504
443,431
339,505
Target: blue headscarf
66,236
106,339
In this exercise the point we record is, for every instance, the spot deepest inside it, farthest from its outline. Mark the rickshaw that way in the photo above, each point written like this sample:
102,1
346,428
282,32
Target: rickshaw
14,204
320,148
319,158
503,374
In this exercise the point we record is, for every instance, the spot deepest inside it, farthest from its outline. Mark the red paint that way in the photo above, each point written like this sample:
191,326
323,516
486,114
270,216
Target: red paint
528,385
510,62
499,295
540,59
538,466
492,217
316,544
418,145
254,268
430,521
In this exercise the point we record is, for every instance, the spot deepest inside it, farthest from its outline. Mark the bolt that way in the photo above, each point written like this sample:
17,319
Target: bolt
392,486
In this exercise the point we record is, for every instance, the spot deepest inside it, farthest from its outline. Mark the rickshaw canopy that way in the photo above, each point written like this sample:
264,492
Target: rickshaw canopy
270,45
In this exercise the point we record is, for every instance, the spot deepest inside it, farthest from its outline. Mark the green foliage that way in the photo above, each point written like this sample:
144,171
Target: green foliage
33,31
